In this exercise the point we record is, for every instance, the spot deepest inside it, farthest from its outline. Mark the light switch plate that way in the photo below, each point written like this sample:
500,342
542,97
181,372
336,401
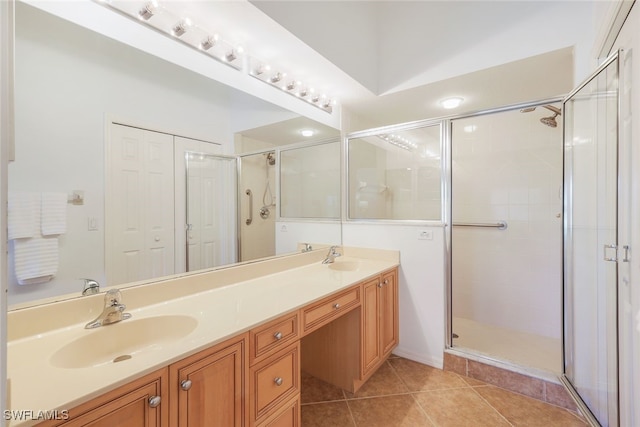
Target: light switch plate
425,235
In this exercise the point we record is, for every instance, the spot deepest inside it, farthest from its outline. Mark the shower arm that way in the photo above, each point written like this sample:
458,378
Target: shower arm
552,108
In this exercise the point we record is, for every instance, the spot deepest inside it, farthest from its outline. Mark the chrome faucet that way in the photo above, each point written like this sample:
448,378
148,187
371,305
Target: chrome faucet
113,310
91,287
332,255
307,247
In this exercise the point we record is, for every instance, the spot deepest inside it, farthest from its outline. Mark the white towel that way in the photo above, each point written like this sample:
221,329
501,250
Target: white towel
23,214
35,259
54,214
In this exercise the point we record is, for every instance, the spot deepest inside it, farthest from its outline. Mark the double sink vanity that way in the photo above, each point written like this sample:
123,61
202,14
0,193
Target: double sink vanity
218,348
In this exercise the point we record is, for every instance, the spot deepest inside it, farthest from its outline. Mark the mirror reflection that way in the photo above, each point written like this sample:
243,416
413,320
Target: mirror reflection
130,161
396,175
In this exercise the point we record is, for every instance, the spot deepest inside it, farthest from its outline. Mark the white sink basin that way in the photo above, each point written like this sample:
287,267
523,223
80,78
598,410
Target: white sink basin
345,265
122,341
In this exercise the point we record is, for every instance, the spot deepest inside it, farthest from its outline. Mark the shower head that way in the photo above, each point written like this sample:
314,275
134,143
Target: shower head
550,121
271,158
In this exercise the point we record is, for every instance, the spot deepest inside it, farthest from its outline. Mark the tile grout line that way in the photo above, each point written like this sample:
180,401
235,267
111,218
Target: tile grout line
492,407
423,410
353,419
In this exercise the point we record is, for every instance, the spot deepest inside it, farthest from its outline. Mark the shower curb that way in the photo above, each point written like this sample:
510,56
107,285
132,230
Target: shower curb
536,388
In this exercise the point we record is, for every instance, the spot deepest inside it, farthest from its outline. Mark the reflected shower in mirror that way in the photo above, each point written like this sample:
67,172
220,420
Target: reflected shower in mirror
309,196
396,175
72,85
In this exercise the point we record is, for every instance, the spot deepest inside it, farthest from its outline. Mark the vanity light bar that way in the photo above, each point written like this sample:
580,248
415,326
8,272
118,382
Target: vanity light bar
263,72
160,18
182,29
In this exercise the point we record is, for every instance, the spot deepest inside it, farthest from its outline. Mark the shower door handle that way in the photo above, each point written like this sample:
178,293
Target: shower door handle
250,194
613,258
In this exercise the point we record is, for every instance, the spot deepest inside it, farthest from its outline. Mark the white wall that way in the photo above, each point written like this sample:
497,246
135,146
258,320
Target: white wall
421,284
508,169
291,233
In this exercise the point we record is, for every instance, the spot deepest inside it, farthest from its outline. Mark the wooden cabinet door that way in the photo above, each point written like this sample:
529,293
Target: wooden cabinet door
208,388
388,312
370,325
126,406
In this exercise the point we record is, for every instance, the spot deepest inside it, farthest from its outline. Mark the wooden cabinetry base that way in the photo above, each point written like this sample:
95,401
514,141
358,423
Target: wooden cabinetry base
332,353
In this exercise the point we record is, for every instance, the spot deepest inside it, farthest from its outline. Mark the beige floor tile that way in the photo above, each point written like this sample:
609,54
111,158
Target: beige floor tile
315,390
419,377
389,411
384,382
524,411
473,382
459,407
331,414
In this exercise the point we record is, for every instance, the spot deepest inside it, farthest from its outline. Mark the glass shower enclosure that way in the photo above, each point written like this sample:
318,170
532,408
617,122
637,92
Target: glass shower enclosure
592,257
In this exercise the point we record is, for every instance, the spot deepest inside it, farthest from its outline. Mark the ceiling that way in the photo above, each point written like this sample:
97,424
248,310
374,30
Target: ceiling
410,54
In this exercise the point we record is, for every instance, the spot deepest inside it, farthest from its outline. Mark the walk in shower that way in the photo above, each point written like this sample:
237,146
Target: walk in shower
506,239
257,205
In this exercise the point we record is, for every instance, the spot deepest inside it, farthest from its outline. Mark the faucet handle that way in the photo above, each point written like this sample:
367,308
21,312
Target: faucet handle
112,298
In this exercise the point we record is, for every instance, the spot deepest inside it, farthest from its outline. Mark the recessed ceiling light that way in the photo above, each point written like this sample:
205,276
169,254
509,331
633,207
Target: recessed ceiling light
307,133
470,128
450,103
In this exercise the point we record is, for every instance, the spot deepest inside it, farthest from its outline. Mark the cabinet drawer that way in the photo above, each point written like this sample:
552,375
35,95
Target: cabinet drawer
328,309
273,336
274,381
287,416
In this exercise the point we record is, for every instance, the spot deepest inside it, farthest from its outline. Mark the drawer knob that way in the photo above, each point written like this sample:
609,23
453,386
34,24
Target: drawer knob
379,284
386,281
278,335
185,385
336,306
278,381
154,401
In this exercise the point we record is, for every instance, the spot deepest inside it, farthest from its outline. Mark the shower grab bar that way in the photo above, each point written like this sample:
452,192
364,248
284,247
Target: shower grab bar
249,193
500,225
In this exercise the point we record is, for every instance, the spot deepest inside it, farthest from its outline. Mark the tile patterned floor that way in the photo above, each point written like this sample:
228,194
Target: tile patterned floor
406,393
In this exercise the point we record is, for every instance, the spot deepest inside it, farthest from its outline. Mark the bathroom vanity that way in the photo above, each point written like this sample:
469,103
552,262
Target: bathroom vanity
224,347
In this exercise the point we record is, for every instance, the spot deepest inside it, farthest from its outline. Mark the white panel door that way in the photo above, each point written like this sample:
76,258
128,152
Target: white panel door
140,205
211,189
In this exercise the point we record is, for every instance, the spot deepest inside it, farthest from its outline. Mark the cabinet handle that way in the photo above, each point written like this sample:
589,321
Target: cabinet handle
278,335
154,401
336,306
386,281
185,385
379,284
278,381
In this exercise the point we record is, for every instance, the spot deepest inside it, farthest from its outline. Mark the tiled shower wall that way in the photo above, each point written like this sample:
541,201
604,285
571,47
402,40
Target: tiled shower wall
508,167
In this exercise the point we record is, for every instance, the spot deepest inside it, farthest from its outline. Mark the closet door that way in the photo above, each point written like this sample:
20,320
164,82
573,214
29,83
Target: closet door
139,216
591,252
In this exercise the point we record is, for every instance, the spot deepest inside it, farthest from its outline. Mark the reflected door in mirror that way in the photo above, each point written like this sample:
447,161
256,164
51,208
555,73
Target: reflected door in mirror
140,205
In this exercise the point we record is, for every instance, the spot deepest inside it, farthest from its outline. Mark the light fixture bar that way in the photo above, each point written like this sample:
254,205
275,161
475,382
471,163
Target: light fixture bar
219,49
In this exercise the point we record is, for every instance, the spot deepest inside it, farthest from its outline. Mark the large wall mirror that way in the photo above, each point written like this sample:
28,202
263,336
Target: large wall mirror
86,106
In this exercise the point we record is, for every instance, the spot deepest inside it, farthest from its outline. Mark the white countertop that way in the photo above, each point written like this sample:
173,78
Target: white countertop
221,313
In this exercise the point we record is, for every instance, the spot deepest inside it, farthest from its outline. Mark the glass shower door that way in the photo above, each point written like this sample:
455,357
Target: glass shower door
590,249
